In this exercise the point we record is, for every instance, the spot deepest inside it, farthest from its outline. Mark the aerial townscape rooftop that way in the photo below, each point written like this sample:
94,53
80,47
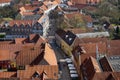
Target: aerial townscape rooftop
59,40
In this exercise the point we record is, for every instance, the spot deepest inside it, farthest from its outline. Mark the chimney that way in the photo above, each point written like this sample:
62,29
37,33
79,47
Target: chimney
66,36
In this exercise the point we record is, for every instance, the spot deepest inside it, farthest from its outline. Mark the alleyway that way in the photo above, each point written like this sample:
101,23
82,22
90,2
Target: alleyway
63,69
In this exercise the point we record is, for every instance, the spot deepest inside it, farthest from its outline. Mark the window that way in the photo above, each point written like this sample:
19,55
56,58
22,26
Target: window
85,78
15,25
36,74
12,29
21,67
15,29
19,30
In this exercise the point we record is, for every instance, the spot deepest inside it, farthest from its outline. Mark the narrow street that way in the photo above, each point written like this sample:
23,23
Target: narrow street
63,68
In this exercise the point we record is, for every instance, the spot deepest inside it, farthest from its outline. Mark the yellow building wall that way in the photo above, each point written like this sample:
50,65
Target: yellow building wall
66,48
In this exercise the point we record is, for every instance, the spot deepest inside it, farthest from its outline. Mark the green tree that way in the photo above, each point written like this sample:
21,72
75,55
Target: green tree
117,30
8,11
109,8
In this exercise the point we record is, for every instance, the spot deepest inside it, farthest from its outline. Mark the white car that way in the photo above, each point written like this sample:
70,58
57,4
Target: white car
73,72
71,68
68,60
74,75
70,65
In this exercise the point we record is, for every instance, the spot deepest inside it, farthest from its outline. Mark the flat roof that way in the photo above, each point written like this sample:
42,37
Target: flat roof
93,35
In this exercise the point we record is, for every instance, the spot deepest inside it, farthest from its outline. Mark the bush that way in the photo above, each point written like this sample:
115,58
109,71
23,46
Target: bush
2,36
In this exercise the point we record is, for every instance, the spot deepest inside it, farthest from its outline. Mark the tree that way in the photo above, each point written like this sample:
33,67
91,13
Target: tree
77,21
8,11
117,30
109,8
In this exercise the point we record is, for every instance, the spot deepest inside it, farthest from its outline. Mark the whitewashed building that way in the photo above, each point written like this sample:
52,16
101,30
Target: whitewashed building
93,35
5,3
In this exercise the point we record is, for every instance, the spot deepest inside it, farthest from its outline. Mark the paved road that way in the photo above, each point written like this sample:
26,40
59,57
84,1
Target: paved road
63,68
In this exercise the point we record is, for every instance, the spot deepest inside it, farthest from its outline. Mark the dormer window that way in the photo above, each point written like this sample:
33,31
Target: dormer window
21,25
15,25
36,74
27,25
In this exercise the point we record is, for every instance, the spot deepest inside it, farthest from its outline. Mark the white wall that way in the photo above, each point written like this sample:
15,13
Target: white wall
4,4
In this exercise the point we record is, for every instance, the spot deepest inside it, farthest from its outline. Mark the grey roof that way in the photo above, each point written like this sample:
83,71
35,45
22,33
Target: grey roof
68,36
31,17
115,62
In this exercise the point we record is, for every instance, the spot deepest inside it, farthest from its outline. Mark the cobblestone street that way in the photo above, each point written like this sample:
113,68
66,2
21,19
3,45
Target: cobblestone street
63,68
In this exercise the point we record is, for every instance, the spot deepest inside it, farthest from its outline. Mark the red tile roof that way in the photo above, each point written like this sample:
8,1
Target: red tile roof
89,71
4,1
28,9
79,6
21,46
113,51
34,38
78,1
114,43
91,47
12,48
46,3
58,1
8,74
51,71
19,40
105,64
107,76
27,55
27,13
113,48
50,55
19,22
5,55
92,40
86,56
